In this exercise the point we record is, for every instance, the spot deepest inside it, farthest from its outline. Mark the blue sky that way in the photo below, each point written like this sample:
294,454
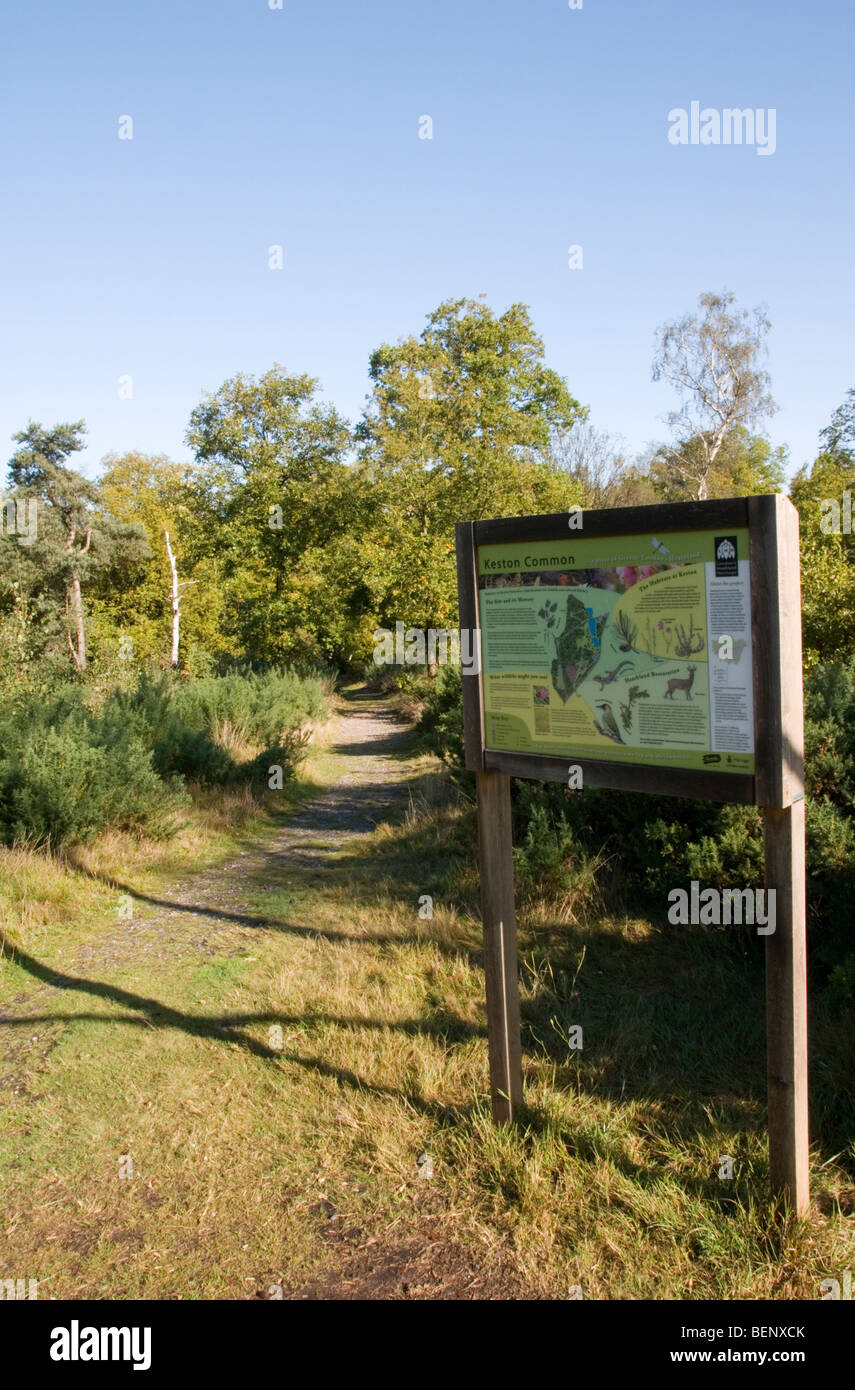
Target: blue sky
255,126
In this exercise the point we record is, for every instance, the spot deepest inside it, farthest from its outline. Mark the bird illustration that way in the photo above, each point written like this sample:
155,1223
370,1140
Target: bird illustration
608,727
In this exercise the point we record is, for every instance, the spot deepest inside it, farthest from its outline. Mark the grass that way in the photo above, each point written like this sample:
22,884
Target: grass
50,901
275,1095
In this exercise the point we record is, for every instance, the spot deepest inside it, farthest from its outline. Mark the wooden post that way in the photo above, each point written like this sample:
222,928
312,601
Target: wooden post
500,943
786,1007
495,852
779,720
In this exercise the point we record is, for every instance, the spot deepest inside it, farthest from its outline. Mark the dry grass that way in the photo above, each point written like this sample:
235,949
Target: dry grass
288,1159
41,891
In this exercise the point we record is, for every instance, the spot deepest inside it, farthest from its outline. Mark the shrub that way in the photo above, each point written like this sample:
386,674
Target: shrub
69,768
250,707
208,730
664,842
286,753
65,781
442,717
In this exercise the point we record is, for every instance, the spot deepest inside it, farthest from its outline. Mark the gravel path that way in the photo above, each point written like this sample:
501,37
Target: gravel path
208,914
212,914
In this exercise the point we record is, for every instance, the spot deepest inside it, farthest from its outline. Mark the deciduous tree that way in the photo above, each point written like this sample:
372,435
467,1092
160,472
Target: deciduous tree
458,427
712,359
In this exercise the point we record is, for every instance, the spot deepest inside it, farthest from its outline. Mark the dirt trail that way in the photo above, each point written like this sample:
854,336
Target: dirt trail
209,916
206,909
206,913
372,788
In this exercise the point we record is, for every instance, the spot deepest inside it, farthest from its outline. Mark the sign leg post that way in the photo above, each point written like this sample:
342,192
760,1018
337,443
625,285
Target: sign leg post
500,943
786,1007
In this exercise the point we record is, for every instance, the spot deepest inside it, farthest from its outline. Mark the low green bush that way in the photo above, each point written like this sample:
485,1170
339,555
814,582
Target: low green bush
63,778
648,845
442,717
254,707
71,766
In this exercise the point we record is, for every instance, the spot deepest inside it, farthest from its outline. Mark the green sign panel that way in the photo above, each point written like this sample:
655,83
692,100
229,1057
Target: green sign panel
635,648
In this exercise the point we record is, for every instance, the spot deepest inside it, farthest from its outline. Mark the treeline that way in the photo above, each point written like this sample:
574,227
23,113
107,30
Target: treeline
292,536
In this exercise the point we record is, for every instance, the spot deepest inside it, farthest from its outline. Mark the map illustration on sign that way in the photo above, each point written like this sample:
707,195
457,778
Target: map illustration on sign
637,649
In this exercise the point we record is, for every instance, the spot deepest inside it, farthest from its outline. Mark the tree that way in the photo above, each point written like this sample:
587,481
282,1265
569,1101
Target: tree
161,496
77,538
827,553
272,482
747,465
712,359
593,461
838,437
458,426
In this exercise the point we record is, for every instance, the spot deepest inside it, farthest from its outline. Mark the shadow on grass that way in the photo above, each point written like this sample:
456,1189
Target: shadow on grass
672,1020
675,1020
445,1027
228,1030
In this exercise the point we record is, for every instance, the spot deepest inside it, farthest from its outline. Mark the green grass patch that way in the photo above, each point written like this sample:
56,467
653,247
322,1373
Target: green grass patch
276,1087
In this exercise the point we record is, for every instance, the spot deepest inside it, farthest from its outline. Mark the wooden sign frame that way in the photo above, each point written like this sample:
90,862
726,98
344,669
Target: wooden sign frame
776,785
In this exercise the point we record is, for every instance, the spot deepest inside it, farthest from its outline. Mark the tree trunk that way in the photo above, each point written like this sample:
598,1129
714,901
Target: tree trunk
75,602
77,613
176,602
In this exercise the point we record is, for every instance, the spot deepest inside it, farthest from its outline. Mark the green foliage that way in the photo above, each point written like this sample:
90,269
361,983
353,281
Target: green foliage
442,717
207,730
65,775
69,769
827,560
77,543
164,499
838,437
648,845
194,754
150,712
248,706
458,427
277,497
746,465
551,863
830,780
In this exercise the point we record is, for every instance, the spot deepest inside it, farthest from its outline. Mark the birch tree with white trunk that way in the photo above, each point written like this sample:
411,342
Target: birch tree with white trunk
713,359
175,595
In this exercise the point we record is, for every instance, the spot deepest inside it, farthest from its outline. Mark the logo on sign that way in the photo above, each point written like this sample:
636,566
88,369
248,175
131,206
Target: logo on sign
726,559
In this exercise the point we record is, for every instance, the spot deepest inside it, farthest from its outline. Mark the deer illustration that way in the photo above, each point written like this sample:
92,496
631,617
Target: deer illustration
676,683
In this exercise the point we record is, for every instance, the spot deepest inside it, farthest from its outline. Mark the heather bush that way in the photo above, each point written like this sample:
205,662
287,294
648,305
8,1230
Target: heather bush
64,779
